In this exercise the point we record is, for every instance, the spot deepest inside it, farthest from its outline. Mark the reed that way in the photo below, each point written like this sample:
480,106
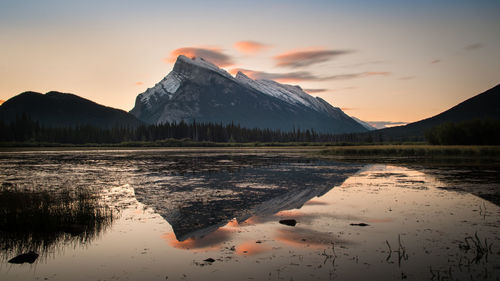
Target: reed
43,220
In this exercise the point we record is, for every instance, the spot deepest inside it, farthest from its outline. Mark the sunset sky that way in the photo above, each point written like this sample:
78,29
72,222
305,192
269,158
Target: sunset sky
387,60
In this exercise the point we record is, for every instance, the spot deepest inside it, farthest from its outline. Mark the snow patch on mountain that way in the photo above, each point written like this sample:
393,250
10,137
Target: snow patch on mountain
166,87
201,62
288,93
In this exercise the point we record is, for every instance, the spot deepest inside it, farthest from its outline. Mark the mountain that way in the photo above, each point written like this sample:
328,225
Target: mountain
483,106
56,109
364,124
198,90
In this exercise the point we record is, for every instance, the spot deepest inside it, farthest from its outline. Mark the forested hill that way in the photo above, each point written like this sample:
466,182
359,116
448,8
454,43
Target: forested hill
55,109
484,106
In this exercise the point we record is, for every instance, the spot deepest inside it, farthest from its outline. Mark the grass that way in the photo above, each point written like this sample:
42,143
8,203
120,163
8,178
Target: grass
179,143
42,220
401,150
422,151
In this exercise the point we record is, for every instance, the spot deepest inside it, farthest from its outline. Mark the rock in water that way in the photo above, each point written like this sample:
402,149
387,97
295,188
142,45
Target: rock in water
288,222
360,224
29,257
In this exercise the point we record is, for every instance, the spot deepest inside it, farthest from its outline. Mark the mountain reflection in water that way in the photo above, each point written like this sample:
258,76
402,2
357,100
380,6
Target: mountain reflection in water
223,209
200,201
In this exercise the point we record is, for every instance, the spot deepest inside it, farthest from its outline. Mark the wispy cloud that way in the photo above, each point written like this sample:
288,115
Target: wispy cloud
287,77
473,47
314,91
353,65
406,78
435,61
358,75
297,76
139,83
211,54
302,58
385,124
250,47
343,89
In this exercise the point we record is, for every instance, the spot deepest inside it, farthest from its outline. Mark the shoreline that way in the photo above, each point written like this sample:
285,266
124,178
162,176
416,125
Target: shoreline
388,152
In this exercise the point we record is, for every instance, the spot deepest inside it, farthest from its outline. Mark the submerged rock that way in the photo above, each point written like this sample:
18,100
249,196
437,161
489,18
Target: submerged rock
288,222
29,257
360,224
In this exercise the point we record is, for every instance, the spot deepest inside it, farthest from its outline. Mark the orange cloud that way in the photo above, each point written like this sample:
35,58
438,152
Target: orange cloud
1,101
211,54
250,47
307,57
381,73
139,83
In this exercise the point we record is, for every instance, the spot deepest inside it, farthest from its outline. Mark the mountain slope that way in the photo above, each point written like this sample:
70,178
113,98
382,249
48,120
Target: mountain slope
198,90
483,106
56,109
364,124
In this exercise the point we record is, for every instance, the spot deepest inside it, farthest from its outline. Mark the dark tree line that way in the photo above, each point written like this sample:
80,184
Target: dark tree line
24,129
473,132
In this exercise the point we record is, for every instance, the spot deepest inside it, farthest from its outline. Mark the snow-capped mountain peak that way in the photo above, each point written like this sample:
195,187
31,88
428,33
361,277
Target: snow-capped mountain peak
201,62
197,89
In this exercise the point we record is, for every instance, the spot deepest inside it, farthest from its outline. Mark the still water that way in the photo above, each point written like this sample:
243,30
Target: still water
215,215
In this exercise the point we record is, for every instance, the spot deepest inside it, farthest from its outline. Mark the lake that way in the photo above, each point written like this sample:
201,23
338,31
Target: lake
243,214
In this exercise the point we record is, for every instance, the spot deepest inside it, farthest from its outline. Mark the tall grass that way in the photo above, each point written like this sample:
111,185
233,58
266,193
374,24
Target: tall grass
427,151
42,221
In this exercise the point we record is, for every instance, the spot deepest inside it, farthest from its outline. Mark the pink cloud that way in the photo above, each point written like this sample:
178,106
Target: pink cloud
211,54
250,47
307,57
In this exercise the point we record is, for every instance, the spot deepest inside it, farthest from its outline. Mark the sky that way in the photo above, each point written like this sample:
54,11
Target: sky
385,61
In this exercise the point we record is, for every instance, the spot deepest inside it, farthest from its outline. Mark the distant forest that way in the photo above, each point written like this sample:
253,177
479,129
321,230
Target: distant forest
478,132
26,130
